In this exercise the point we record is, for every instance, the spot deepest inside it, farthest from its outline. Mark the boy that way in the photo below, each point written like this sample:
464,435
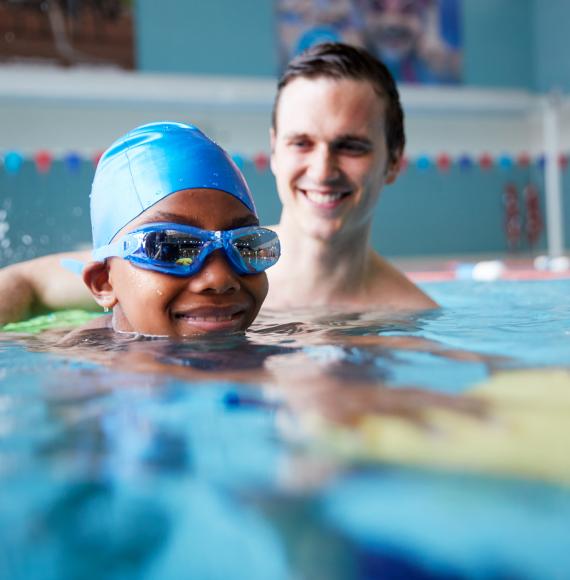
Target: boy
178,249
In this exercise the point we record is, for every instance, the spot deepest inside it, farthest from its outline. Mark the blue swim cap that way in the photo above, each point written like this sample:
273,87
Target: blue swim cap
150,163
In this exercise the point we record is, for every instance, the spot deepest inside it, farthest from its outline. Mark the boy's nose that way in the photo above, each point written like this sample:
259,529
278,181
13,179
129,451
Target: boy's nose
323,165
216,276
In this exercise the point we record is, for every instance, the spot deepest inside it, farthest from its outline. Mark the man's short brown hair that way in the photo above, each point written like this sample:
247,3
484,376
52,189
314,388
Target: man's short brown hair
336,60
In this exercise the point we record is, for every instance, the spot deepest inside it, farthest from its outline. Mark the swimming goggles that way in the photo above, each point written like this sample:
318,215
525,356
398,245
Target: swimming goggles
181,250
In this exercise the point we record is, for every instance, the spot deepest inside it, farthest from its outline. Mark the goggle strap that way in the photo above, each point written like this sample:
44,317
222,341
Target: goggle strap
120,249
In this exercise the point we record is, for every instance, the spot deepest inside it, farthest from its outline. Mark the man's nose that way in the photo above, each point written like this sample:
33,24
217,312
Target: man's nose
216,276
323,166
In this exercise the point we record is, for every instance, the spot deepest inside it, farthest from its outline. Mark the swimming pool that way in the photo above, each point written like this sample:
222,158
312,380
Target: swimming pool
318,446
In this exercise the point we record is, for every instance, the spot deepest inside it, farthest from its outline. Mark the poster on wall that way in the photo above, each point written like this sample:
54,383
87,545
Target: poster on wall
67,32
419,40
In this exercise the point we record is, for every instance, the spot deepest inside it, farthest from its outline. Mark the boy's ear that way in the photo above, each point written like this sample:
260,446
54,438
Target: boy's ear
96,278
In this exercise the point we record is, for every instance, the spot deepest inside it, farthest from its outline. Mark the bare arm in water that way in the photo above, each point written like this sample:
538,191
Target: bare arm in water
42,285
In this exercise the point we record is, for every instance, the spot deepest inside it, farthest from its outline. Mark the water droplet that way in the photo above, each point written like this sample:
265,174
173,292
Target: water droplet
27,239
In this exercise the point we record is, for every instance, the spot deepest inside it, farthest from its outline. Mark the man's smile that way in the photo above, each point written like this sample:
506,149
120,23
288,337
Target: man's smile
328,199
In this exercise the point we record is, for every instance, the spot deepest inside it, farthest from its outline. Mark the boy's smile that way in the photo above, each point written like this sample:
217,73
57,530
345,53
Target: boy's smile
216,299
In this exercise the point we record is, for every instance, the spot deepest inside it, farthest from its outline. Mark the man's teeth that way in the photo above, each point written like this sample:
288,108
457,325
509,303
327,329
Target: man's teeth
317,197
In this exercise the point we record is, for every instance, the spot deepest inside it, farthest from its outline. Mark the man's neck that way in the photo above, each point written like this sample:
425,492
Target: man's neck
340,271
315,271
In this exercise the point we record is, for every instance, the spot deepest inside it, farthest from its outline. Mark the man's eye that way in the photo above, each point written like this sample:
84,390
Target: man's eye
353,148
300,143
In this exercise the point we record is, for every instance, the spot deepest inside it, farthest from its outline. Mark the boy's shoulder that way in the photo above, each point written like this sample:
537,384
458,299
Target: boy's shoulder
76,336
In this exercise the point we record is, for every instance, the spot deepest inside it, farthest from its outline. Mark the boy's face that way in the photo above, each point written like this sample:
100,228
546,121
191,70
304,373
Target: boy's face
329,154
214,300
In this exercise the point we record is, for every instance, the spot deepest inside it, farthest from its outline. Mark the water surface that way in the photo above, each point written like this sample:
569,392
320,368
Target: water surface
318,445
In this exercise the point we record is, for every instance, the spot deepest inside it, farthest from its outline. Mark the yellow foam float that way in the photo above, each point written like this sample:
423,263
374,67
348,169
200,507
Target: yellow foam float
525,432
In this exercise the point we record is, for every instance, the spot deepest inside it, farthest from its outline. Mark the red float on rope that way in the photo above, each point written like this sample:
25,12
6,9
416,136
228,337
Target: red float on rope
97,157
443,162
43,160
512,216
533,222
261,161
486,161
523,160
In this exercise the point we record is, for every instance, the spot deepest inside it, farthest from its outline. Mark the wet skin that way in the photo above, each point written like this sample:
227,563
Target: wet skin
215,300
329,154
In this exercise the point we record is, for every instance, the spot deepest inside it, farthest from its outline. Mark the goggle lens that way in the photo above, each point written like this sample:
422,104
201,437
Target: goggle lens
172,247
257,250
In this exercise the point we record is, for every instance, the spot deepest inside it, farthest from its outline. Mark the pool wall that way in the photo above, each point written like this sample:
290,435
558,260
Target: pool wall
426,212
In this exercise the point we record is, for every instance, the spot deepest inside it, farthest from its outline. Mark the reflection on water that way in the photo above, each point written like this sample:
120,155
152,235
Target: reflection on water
318,445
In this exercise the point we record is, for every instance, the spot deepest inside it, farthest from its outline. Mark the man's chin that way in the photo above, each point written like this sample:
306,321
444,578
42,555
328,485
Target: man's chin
324,230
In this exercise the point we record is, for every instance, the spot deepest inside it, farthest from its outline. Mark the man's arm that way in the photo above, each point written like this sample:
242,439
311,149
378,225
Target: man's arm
42,285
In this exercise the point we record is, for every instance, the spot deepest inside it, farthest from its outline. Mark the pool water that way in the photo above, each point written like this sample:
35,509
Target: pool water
319,445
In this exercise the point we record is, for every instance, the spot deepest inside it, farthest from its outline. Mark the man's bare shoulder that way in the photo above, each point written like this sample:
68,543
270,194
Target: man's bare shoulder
394,289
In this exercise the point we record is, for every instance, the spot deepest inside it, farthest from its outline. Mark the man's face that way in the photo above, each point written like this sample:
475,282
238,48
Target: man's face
329,155
214,300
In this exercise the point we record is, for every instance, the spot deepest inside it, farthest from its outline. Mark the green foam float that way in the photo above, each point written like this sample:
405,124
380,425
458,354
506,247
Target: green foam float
61,319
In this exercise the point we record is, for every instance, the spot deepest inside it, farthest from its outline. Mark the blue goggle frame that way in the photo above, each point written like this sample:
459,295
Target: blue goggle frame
180,250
